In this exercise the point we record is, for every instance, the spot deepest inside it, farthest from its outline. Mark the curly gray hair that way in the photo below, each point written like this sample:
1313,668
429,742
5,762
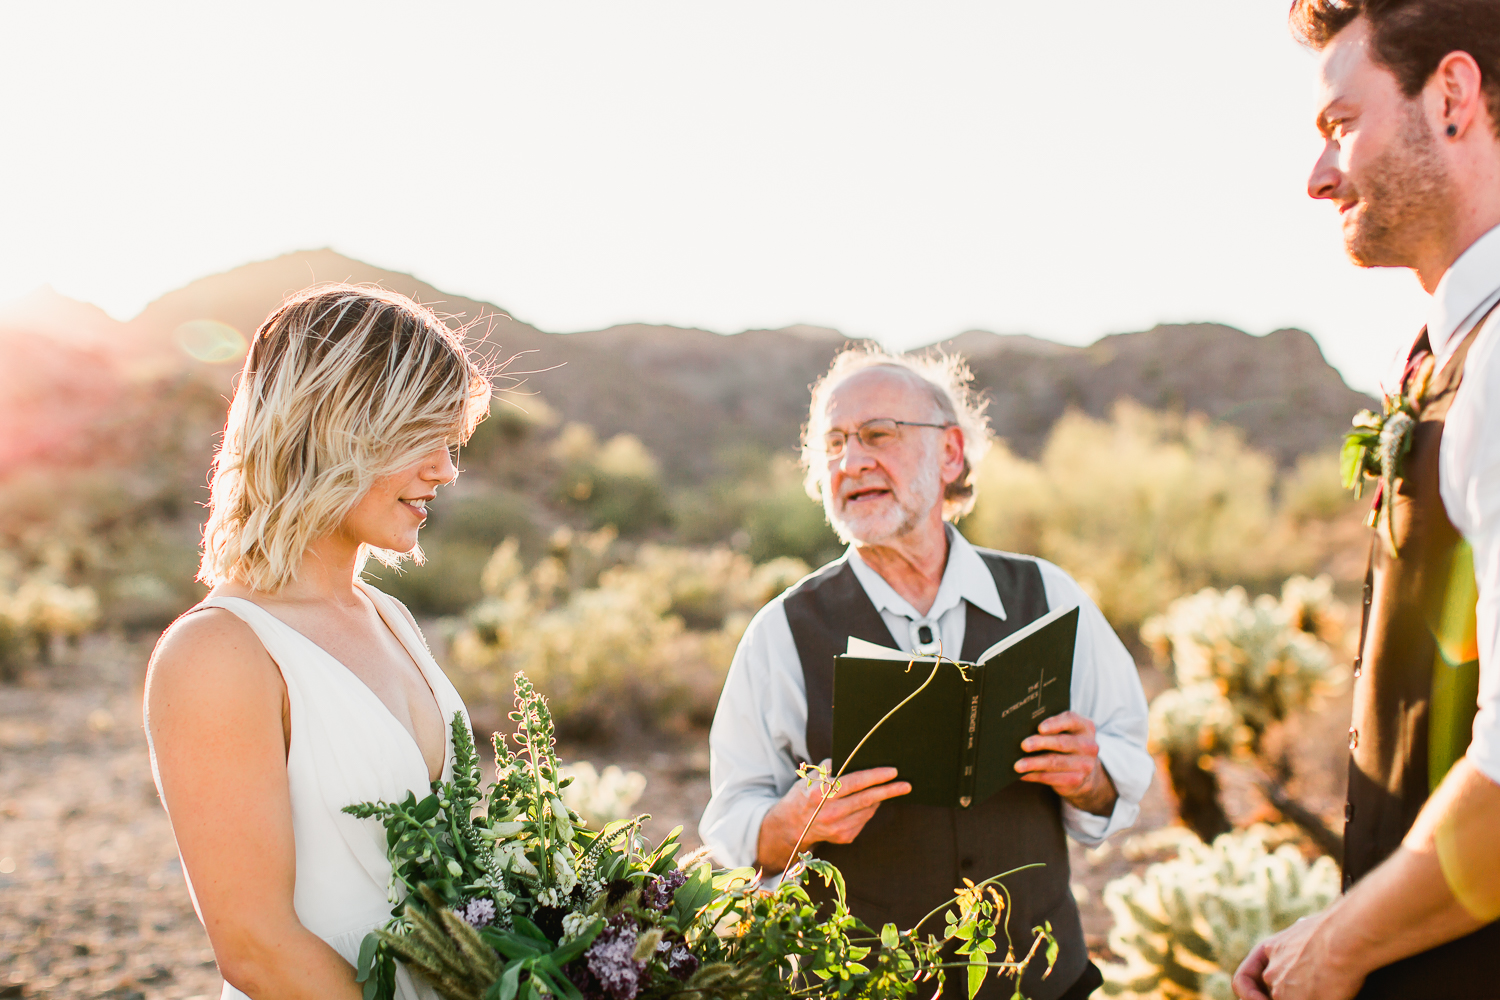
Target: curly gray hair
946,376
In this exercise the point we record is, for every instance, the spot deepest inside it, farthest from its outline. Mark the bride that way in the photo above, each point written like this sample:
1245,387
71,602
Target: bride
295,688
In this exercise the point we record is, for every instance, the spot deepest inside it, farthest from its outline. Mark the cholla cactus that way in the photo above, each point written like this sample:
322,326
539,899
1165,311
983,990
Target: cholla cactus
38,611
601,797
1258,654
1185,926
1192,721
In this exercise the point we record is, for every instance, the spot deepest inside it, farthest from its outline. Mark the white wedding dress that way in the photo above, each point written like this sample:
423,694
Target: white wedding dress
346,747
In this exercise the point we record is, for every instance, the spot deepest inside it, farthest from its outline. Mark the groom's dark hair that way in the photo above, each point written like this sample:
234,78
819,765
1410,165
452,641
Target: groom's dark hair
1410,37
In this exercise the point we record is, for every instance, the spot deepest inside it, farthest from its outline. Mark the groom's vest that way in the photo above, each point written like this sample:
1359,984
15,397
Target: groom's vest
910,858
1416,694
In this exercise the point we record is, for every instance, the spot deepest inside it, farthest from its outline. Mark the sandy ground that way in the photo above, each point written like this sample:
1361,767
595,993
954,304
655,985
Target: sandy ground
92,898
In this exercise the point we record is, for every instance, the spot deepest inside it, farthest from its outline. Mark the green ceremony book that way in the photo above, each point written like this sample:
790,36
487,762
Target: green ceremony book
958,741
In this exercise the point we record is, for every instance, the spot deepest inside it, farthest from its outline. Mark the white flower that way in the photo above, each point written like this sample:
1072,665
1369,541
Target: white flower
573,925
511,856
566,878
562,819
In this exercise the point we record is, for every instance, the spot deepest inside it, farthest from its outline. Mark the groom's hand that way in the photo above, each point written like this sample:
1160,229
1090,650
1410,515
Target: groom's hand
1072,766
840,820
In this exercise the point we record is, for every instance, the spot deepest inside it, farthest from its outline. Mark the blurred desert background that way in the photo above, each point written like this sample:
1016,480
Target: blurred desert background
619,518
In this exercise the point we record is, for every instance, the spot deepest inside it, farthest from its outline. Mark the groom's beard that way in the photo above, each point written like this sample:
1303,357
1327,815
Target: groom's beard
1404,198
895,515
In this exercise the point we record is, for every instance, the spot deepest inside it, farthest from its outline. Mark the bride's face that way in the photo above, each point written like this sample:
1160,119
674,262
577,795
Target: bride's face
390,514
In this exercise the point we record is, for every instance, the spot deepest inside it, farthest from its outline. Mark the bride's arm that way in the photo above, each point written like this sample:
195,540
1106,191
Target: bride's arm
215,702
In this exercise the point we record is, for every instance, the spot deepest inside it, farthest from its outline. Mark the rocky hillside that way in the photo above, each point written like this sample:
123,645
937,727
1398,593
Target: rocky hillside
691,395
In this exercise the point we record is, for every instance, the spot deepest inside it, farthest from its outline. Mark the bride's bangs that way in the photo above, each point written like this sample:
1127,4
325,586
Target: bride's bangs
343,384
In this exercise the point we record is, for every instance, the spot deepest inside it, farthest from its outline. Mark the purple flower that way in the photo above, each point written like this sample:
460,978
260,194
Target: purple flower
477,913
681,963
658,891
611,958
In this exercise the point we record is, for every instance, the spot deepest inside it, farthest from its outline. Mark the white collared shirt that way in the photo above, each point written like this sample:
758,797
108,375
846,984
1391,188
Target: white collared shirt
1469,459
760,728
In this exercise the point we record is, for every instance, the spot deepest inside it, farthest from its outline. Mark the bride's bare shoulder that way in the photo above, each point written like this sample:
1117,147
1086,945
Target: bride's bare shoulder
213,653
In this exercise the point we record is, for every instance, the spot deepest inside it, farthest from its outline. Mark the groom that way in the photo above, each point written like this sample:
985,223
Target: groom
1410,111
890,448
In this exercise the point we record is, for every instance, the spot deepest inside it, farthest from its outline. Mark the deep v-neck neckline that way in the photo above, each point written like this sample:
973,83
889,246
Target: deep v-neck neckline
360,682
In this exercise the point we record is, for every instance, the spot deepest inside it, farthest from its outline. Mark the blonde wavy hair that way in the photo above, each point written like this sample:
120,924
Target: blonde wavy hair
343,384
945,377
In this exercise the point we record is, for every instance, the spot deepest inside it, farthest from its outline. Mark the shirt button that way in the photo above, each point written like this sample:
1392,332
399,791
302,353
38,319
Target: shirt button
1353,737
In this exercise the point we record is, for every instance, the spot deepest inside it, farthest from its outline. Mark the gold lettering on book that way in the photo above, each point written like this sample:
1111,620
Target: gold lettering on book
1033,693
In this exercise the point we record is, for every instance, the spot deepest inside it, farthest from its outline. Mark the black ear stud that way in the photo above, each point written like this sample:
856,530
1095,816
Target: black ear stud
1452,130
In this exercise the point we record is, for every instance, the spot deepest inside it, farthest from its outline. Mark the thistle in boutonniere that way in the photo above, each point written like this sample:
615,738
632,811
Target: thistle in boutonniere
1376,446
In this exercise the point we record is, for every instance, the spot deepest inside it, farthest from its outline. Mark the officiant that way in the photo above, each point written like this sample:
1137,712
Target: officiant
890,448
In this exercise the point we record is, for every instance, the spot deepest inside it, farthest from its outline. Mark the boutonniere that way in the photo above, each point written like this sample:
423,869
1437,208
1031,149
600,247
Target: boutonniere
1377,445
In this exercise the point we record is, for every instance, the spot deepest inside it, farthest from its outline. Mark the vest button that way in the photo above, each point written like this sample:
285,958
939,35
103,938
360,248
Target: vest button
1348,812
966,864
1353,737
1358,665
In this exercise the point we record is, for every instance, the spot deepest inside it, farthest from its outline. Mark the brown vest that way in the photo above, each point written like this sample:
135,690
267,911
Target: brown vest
910,858
1415,695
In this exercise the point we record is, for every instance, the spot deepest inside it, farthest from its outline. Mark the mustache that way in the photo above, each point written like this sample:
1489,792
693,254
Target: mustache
849,489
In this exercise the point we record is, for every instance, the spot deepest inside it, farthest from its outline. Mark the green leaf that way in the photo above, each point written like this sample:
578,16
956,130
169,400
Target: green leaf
978,969
566,953
890,937
367,956
510,981
724,880
1351,461
426,809
531,930
556,982
693,895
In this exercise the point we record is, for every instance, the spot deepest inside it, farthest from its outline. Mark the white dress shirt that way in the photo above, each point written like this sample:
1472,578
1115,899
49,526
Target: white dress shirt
1469,459
760,728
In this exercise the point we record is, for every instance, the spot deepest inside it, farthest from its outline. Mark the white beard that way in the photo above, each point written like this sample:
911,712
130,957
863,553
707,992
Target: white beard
895,517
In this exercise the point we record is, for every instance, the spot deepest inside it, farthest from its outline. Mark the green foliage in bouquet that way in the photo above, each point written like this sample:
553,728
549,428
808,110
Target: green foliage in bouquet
504,894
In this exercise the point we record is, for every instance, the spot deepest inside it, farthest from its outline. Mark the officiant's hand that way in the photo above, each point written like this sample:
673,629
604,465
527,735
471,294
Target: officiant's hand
839,821
1072,768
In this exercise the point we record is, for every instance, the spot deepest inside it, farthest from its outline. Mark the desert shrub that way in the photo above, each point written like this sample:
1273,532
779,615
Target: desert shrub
37,612
782,521
1313,490
1241,666
1185,925
614,636
1140,509
760,508
601,797
617,483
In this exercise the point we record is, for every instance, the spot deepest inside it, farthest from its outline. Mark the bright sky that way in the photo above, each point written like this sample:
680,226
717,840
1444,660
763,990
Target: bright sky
897,170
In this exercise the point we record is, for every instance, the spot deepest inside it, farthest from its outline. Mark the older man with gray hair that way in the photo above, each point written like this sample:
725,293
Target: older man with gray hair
890,448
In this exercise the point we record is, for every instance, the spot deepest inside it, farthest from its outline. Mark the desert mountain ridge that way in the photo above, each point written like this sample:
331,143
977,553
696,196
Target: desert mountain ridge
692,395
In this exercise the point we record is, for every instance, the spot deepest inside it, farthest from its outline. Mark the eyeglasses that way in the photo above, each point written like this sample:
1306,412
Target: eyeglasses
882,432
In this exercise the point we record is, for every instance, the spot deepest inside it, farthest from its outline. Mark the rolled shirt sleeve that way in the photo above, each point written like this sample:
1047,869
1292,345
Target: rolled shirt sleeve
759,734
1107,691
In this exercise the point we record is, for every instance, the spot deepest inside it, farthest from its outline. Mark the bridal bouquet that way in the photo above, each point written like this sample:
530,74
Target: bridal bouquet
504,894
